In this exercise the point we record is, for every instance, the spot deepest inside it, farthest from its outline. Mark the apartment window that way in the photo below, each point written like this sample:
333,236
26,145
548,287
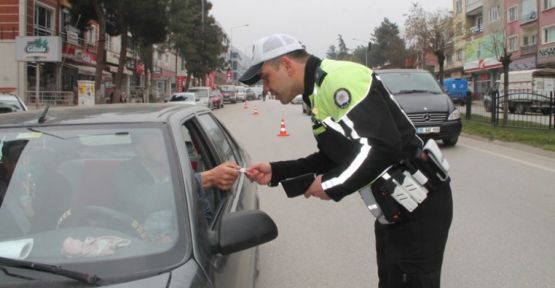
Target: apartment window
512,14
460,55
548,34
91,35
458,6
494,14
513,43
449,59
529,40
479,23
547,4
43,21
529,10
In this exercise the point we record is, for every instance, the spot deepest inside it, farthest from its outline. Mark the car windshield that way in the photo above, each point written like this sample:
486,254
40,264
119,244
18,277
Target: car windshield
410,82
7,105
183,97
90,196
201,93
227,88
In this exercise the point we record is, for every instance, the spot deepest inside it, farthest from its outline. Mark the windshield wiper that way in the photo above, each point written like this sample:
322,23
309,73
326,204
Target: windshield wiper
53,269
416,91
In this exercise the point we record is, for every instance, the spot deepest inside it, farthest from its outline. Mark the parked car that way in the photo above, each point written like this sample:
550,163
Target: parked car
183,98
228,93
431,111
216,99
11,103
240,93
297,100
203,95
65,221
250,94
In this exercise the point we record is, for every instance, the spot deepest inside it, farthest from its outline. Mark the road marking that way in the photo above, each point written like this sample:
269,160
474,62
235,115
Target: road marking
509,158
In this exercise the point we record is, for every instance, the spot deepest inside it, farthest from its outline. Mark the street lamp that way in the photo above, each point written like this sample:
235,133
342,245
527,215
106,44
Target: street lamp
231,48
366,51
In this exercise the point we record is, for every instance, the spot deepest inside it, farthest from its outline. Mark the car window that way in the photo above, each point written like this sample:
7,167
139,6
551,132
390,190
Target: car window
407,82
200,92
10,106
203,158
218,137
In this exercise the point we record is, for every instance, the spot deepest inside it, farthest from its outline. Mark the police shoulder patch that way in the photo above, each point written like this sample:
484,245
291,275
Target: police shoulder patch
342,98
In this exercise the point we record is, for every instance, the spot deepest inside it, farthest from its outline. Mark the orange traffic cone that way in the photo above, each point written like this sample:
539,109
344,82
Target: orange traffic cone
255,111
282,131
245,105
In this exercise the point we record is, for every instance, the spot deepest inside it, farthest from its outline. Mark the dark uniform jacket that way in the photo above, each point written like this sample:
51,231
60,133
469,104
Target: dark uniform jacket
360,129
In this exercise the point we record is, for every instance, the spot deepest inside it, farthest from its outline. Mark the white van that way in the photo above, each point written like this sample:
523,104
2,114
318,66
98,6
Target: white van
529,90
240,93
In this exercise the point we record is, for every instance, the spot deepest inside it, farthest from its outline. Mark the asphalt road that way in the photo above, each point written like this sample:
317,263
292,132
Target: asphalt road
503,230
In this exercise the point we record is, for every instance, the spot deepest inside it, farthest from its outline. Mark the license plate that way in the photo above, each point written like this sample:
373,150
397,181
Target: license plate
427,130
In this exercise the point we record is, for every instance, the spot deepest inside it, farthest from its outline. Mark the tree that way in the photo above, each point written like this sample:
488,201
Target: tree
94,10
197,37
388,47
430,31
343,53
147,30
332,52
500,50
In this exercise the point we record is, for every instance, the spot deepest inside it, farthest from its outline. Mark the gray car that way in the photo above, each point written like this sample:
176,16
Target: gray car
107,196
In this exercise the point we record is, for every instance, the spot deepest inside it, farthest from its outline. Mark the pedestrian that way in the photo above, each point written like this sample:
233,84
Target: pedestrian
365,143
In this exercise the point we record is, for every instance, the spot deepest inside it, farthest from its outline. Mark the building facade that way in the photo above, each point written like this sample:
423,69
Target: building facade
58,80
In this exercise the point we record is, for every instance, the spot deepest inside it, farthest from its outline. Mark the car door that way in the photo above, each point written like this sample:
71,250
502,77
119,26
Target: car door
211,145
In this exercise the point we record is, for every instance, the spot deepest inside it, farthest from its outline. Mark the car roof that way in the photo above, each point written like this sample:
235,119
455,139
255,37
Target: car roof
383,71
7,96
101,114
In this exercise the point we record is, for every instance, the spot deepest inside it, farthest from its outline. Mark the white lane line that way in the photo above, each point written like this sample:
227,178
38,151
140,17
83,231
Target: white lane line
510,158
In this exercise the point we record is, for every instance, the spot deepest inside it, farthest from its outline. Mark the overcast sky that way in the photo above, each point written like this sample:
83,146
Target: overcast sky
316,23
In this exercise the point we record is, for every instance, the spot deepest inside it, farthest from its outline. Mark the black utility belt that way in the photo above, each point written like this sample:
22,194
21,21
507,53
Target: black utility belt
403,187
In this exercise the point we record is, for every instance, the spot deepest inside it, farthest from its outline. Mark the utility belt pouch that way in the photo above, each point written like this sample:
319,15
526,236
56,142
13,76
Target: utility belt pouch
382,190
437,164
372,205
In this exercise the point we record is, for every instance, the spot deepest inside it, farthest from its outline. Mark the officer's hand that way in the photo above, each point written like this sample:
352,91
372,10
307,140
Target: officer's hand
316,190
261,173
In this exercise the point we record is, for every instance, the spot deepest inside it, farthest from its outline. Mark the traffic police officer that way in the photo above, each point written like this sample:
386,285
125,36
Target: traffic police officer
363,136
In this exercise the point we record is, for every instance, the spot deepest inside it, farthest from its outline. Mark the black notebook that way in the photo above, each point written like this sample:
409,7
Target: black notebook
296,186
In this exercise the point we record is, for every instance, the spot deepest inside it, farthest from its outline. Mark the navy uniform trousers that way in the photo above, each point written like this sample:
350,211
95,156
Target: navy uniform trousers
410,253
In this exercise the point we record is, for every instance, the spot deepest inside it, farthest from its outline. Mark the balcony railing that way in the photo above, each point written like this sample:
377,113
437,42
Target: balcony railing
476,29
528,49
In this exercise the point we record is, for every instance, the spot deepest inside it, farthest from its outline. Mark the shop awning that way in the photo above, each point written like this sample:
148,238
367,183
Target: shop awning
89,71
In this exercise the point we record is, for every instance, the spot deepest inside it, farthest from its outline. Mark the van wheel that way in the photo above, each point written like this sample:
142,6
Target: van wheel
450,141
520,109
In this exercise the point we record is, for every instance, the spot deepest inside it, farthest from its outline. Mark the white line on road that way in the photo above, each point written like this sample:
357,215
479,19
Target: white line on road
510,158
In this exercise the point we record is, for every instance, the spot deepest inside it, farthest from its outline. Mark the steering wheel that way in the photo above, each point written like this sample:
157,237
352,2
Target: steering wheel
102,217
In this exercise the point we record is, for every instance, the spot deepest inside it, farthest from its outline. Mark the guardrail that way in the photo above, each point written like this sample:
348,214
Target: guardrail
526,109
52,98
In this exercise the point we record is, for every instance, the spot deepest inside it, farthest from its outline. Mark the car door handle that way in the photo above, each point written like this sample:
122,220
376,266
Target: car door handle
218,261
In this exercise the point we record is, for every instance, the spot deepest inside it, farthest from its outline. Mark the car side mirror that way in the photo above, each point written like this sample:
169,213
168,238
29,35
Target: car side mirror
245,229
